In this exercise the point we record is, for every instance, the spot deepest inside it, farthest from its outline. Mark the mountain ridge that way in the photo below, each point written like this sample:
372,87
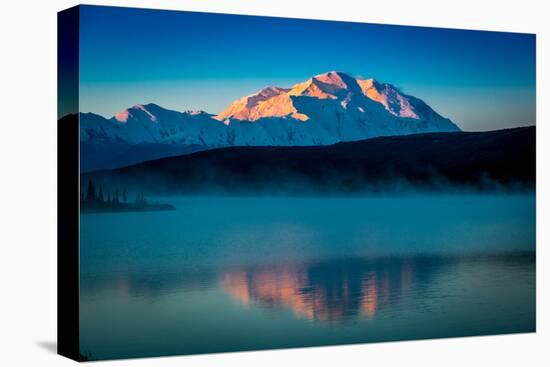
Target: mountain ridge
449,161
322,110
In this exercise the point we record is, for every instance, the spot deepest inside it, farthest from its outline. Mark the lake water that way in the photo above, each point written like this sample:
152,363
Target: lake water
226,274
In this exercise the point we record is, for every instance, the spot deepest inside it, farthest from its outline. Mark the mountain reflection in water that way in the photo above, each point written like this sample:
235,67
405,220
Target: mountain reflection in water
325,291
305,303
330,291
287,274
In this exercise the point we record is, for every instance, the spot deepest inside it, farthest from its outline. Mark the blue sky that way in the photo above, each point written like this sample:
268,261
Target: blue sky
183,60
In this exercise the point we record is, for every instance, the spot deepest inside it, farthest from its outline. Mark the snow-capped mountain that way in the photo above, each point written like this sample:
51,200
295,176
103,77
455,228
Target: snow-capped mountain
325,109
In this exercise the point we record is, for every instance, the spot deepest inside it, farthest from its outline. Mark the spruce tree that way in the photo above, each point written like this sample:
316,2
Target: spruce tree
100,198
91,195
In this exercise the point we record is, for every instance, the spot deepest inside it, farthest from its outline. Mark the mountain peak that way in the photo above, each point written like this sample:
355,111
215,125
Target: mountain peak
328,85
150,110
197,113
390,97
243,108
334,74
333,85
333,77
263,94
269,91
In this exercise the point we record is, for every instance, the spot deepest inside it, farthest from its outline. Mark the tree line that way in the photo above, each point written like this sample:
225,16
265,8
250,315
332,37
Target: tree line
94,195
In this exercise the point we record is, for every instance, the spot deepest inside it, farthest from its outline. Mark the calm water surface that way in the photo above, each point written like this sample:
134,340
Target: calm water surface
226,274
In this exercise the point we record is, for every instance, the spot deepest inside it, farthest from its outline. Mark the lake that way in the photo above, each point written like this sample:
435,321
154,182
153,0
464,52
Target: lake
227,274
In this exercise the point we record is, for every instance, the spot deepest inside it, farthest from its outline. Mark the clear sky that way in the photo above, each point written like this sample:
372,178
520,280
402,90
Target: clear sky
183,60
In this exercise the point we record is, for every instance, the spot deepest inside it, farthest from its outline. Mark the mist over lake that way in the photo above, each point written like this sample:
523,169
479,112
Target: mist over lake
267,272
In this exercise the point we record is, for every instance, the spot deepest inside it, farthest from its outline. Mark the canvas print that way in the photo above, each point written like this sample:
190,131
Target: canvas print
250,183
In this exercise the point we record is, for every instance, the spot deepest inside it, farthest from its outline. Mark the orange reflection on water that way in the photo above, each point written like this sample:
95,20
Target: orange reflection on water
369,296
274,287
317,292
237,285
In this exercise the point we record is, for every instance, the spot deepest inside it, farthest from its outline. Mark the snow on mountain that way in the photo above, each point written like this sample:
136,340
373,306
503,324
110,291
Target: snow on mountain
96,127
338,97
325,109
151,123
385,94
